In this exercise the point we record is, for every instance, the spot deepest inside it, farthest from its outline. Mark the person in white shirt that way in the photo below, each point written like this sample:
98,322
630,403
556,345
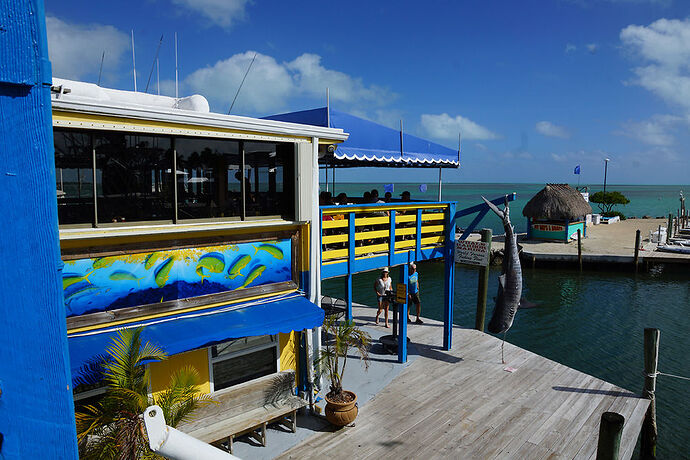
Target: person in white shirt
382,285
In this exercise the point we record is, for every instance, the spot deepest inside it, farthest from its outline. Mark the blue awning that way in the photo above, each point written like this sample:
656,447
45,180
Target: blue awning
180,333
372,144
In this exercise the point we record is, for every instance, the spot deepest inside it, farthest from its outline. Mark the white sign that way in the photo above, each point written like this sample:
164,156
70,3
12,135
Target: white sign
472,253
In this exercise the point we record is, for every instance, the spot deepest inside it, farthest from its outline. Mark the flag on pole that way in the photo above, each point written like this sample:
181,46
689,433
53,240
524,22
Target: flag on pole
577,170
388,188
422,188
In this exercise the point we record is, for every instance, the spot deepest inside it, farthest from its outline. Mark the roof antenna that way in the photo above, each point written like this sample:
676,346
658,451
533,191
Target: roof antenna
242,83
158,76
153,64
134,63
100,72
176,90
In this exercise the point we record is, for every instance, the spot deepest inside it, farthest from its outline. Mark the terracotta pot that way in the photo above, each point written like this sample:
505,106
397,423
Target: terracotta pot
341,414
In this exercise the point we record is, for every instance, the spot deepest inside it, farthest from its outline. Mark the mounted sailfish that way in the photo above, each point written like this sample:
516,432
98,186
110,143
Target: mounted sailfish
510,281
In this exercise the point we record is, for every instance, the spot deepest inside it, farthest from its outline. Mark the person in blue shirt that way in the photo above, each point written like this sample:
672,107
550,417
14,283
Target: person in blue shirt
413,292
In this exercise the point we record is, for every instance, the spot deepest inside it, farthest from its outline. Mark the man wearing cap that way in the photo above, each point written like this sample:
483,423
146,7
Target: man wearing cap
381,286
405,196
413,292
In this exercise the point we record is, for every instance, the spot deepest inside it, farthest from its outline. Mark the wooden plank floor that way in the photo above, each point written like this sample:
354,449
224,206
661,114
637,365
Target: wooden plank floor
463,404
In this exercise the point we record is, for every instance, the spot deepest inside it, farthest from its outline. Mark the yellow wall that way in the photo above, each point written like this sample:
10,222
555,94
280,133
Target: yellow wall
163,370
288,351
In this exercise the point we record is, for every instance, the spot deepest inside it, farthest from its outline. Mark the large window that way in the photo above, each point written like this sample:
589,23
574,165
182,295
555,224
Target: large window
74,177
138,176
133,177
269,179
243,359
208,182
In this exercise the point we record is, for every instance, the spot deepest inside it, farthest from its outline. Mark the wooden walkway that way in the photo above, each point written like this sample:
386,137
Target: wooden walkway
463,404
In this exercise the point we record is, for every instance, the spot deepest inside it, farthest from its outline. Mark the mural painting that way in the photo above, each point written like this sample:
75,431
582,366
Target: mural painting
112,282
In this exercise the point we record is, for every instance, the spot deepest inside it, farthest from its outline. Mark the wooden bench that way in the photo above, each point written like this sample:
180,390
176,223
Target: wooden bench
246,409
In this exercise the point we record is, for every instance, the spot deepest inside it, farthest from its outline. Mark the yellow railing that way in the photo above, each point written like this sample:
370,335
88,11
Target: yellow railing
417,226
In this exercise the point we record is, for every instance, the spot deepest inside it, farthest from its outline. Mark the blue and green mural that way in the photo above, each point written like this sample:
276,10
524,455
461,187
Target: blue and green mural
108,283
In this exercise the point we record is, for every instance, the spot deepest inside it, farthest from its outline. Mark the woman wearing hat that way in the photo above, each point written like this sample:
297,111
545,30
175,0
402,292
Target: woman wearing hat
381,286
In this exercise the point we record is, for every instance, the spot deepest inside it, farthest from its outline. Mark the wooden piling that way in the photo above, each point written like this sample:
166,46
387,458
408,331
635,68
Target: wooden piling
610,430
579,248
669,229
651,361
637,249
483,285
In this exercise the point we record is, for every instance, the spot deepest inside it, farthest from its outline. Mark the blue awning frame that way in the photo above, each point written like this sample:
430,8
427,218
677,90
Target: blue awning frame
184,332
372,144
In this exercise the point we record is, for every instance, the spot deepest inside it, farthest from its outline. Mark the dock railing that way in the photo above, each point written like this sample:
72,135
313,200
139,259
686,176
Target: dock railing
357,238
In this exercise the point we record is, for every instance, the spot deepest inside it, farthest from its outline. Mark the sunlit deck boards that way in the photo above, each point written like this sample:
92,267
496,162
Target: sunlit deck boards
462,404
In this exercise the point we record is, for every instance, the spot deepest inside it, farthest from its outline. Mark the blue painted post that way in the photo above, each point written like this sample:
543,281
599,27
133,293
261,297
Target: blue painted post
36,406
391,241
350,261
449,286
402,318
418,237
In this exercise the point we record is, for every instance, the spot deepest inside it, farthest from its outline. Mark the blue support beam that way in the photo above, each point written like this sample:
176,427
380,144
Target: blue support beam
449,286
418,236
402,318
391,239
350,261
36,406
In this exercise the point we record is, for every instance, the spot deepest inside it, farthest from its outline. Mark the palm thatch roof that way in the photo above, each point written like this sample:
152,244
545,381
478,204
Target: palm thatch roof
557,202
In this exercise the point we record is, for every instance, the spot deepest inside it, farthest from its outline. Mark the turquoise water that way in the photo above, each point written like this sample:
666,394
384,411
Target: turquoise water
590,321
652,200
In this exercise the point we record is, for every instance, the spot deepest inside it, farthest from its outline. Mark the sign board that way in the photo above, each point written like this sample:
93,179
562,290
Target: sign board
549,227
401,293
472,253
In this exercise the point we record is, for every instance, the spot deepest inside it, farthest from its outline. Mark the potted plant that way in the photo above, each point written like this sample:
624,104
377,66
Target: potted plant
341,405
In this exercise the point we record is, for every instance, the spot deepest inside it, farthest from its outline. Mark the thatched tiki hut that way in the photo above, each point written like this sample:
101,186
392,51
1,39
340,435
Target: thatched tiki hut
556,213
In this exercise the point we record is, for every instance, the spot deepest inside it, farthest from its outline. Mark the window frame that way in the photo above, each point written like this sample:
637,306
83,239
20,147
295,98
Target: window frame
264,346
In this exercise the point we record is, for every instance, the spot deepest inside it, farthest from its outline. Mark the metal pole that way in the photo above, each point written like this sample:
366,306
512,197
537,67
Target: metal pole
440,182
483,286
606,168
134,64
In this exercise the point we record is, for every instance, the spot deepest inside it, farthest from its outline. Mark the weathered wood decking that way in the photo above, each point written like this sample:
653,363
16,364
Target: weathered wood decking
463,404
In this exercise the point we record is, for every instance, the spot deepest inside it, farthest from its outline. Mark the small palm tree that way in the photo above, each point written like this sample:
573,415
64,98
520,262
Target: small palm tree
112,428
344,334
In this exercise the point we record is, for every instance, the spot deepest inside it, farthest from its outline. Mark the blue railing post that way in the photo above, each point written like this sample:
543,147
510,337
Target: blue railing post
418,236
402,318
391,241
449,278
350,260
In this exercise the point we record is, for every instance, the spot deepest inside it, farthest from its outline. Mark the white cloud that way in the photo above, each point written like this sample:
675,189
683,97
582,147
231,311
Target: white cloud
270,84
445,127
75,50
549,129
592,48
223,13
664,46
570,48
655,131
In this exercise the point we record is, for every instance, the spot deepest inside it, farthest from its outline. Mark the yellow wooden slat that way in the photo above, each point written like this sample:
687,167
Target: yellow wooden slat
432,239
434,216
406,231
375,234
334,223
333,254
405,244
372,220
405,218
371,248
403,207
432,228
328,239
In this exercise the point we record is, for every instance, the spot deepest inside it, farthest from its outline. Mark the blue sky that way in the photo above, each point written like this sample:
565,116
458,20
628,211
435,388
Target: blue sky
535,87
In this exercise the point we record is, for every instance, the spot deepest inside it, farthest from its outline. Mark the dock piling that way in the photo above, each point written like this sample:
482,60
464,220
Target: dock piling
483,285
579,248
669,229
651,361
610,430
637,249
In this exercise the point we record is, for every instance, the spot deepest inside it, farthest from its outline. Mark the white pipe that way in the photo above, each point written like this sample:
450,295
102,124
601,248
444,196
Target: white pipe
440,183
176,445
314,342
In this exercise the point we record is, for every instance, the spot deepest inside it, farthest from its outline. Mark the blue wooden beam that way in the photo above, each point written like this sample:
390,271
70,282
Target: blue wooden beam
418,236
479,207
402,318
36,406
350,261
449,286
391,239
470,228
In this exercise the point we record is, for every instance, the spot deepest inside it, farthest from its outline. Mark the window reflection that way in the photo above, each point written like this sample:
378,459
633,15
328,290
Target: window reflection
133,177
208,179
74,177
270,179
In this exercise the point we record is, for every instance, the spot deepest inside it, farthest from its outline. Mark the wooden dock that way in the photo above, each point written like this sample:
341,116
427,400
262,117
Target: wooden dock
464,404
